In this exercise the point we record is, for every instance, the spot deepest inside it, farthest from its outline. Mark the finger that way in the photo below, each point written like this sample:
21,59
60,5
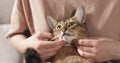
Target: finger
44,52
87,42
44,36
86,54
51,51
58,43
44,44
88,49
46,56
50,44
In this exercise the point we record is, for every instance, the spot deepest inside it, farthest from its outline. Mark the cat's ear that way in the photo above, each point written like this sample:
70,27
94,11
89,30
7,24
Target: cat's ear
51,22
80,14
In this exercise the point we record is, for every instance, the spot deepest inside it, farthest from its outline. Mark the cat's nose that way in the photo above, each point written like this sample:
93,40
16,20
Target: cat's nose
65,30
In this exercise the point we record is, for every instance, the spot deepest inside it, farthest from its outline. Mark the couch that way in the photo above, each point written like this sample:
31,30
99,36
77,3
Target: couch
8,54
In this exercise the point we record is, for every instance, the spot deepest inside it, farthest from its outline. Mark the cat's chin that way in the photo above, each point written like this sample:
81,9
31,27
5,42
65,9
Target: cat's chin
68,39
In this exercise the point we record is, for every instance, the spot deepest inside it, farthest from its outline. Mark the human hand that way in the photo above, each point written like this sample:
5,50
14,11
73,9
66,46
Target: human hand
40,43
99,49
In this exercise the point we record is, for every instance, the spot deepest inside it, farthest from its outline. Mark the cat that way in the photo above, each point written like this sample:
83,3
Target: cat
67,30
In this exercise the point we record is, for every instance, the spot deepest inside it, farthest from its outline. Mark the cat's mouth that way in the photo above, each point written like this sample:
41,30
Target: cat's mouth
67,37
67,34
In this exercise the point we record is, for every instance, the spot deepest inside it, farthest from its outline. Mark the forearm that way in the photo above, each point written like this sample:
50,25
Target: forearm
17,42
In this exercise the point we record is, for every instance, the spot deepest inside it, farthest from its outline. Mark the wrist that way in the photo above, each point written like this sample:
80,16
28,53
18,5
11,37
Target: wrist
21,43
29,44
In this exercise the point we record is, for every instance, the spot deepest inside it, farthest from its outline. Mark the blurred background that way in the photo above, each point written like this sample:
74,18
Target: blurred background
8,54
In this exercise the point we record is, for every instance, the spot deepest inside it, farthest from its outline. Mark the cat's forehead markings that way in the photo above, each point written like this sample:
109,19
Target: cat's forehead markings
61,22
69,20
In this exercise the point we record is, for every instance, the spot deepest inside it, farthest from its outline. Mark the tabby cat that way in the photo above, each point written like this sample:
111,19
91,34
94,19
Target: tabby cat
66,29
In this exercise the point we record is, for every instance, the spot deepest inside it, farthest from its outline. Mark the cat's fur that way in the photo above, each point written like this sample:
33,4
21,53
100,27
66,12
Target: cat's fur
69,29
66,29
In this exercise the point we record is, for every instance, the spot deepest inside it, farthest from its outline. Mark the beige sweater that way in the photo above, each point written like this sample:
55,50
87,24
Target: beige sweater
102,16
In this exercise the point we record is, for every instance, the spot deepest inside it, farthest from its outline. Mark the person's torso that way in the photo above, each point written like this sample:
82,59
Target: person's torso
102,16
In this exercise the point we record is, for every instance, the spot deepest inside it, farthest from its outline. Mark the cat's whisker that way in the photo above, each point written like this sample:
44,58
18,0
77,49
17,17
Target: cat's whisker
53,39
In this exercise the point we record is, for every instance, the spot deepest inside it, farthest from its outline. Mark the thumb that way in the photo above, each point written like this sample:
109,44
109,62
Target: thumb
44,36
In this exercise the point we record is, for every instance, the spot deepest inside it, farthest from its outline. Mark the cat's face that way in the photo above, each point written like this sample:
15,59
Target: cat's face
71,28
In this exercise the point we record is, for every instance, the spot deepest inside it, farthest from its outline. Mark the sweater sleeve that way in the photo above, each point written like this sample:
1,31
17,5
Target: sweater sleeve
18,22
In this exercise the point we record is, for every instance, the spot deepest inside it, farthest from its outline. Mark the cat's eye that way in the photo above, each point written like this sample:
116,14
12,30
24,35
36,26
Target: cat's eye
59,27
71,24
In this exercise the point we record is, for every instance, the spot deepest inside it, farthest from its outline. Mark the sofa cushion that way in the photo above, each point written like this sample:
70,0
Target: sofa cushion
8,54
5,10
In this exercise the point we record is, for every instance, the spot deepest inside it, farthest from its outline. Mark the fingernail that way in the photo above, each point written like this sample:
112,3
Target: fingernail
79,41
